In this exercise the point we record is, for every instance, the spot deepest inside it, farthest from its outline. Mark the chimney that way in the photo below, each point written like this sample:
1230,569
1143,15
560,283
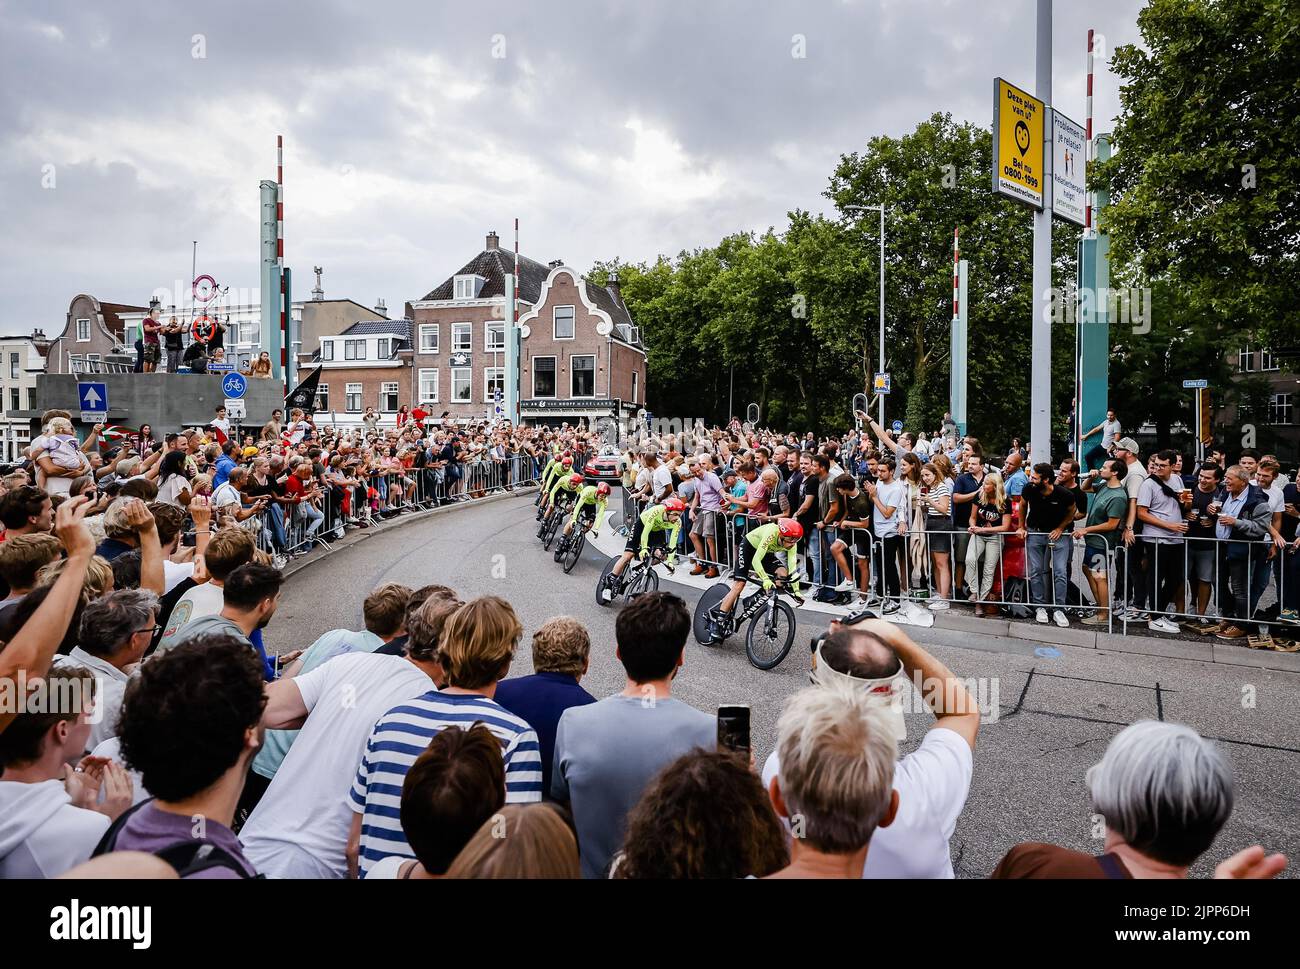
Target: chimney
493,240
381,309
555,262
318,294
614,289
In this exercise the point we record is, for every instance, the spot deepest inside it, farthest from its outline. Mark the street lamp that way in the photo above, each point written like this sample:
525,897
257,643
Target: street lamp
881,209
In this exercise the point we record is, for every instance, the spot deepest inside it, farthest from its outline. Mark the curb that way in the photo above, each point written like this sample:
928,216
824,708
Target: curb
361,534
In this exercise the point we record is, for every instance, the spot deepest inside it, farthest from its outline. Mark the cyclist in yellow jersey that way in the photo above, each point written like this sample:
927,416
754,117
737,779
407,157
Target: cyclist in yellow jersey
760,550
566,485
557,465
590,505
651,526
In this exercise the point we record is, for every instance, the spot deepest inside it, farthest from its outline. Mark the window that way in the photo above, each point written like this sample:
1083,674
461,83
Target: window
564,322
13,365
543,376
429,338
494,381
353,403
354,349
635,375
462,336
1245,360
83,331
1266,361
31,398
248,331
428,386
76,363
322,396
467,287
327,349
1279,409
15,399
461,380
494,336
388,396
582,376
384,353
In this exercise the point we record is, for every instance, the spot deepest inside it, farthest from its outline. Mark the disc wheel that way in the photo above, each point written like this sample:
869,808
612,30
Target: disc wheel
605,574
574,551
770,637
710,600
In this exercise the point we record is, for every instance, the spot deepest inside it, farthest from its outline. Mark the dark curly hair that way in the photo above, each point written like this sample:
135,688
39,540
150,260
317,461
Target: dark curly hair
185,714
705,815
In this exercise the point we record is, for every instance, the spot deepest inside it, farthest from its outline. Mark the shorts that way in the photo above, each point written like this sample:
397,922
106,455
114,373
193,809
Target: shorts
1095,559
858,538
940,540
152,352
658,538
1201,560
745,562
588,514
705,523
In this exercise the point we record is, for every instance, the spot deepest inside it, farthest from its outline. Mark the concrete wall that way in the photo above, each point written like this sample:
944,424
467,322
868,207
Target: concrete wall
164,401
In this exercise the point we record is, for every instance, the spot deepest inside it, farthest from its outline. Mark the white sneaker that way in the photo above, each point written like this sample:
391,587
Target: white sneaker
938,605
1163,625
1060,618
606,595
1040,615
845,586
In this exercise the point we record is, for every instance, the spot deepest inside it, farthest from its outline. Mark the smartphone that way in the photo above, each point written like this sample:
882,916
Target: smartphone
733,728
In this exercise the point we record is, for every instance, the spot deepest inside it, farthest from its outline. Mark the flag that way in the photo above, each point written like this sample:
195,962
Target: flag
304,395
116,432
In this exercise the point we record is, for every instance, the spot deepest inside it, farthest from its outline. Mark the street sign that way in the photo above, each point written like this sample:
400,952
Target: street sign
235,409
1195,384
897,426
1069,175
94,402
881,384
1017,143
234,385
221,367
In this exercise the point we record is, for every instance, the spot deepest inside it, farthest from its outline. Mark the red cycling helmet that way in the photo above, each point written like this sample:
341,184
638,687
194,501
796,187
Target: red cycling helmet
674,504
602,489
567,461
575,479
789,528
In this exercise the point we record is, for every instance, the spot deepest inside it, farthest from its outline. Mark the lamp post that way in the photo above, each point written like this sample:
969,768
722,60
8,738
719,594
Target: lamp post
881,209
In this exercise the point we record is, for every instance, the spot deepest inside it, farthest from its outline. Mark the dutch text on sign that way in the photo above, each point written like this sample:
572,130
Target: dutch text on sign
1017,143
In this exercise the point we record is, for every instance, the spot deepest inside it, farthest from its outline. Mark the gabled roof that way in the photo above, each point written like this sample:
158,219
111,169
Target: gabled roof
400,328
113,320
494,265
603,298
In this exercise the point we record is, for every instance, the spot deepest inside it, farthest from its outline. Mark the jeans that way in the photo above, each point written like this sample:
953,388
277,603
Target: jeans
274,520
982,555
1036,546
818,549
1237,582
887,583
1164,574
174,360
314,517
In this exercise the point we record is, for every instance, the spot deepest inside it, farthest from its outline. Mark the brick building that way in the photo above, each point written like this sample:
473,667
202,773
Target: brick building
580,354
93,332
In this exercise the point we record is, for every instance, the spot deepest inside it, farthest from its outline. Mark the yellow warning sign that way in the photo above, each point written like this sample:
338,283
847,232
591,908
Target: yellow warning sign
1018,125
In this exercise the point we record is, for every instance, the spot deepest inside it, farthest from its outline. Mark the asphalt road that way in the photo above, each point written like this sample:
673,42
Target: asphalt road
1049,714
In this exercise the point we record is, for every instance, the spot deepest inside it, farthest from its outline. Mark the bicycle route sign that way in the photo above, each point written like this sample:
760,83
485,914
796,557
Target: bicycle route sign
234,385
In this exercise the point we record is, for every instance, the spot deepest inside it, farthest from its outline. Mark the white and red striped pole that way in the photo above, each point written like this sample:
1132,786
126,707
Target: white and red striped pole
956,272
279,248
1087,144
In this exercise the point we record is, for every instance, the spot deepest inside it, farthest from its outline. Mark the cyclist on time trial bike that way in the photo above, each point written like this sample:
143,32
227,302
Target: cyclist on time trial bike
760,552
594,497
651,526
567,485
558,465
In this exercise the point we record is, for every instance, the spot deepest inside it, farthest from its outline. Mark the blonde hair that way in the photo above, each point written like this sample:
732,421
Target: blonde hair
99,577
60,425
561,646
478,642
837,750
520,841
999,490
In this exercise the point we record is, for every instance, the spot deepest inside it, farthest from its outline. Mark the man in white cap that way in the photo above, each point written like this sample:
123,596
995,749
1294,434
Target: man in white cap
932,782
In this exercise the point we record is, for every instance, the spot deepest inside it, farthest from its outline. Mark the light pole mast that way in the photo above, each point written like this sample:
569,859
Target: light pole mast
881,209
1040,374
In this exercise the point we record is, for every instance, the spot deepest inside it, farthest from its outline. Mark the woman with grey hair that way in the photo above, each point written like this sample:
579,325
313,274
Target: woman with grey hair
1163,793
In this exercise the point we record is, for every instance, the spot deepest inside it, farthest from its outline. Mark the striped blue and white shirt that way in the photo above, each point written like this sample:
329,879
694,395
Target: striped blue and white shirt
403,734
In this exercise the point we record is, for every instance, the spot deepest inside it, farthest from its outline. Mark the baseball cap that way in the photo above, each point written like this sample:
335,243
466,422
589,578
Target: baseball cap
886,690
1127,444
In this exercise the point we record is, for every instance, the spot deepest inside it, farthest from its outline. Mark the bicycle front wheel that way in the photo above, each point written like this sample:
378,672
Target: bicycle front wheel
770,636
574,551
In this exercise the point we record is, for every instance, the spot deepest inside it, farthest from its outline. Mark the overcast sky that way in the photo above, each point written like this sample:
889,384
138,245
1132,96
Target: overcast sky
412,128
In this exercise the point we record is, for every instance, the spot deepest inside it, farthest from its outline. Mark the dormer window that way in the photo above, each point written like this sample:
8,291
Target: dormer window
468,287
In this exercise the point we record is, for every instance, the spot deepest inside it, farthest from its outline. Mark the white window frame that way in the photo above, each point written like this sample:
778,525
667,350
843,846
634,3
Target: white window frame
573,372
456,330
1266,361
490,374
429,329
322,396
466,373
555,323
429,373
1276,407
327,351
1245,360
489,328
635,380
384,391
348,393
80,338
555,372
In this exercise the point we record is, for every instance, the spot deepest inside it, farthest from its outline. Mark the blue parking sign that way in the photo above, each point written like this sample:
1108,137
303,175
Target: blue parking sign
234,385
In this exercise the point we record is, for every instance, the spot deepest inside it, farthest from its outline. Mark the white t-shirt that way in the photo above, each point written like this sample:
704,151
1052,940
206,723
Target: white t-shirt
390,867
207,599
174,573
1110,430
300,827
41,834
108,700
932,784
892,495
663,478
170,490
227,494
